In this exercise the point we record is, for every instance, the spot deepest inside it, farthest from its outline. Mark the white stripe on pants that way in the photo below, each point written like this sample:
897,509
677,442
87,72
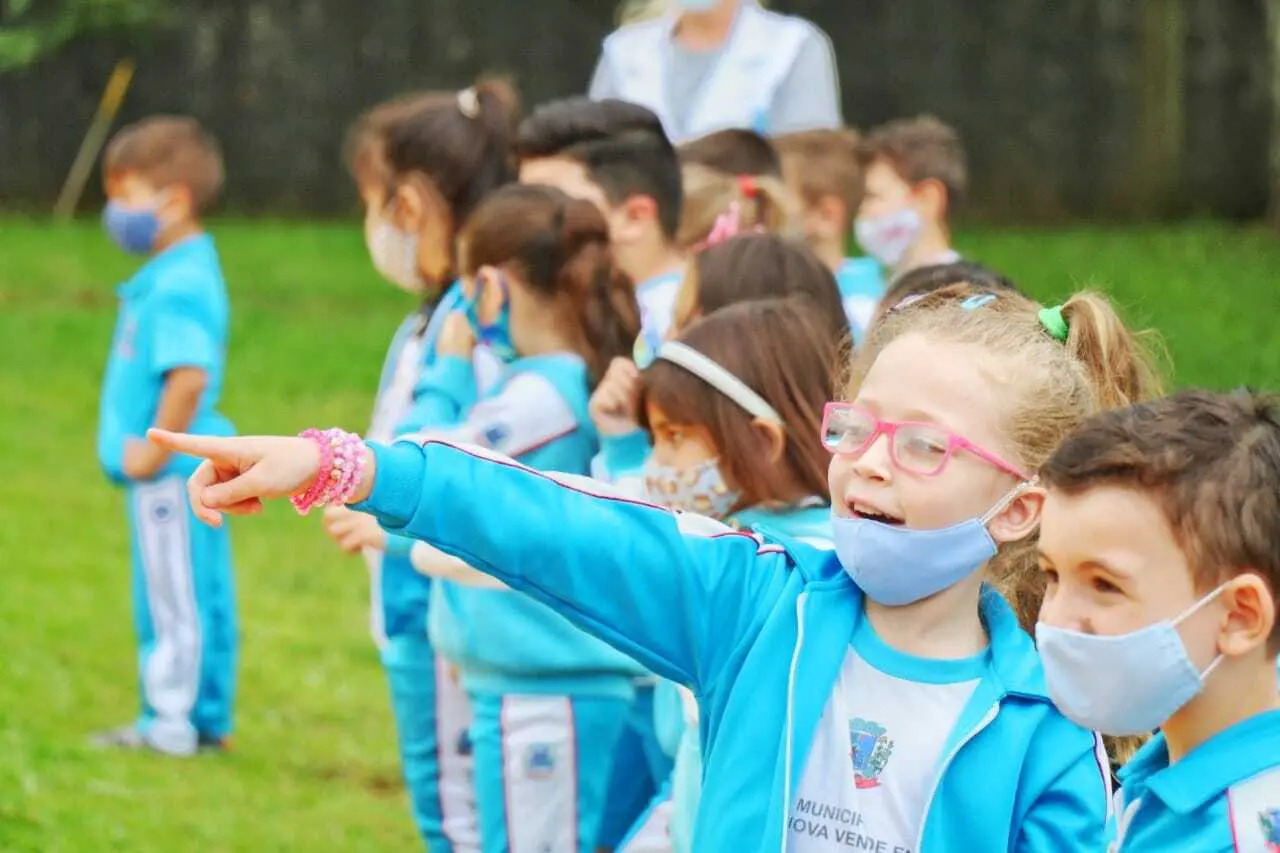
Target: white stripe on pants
171,672
458,819
540,774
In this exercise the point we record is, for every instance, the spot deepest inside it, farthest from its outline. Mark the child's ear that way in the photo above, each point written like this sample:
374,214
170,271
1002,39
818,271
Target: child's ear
932,196
1020,518
775,435
408,209
1251,615
832,210
178,204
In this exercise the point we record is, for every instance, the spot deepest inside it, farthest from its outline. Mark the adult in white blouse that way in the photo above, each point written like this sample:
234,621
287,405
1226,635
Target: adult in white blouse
707,65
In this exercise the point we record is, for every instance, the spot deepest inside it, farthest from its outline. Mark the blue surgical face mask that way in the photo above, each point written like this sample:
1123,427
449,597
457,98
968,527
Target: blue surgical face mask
699,488
496,335
1125,684
895,565
135,231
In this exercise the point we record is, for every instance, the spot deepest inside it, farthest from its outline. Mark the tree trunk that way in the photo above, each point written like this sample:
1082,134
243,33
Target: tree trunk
1160,114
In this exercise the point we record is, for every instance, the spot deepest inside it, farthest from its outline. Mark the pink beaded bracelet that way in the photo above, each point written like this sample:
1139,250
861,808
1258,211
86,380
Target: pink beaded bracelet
341,469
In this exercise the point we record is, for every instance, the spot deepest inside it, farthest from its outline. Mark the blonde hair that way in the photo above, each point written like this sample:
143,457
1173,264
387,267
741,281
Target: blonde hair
763,204
638,11
1051,386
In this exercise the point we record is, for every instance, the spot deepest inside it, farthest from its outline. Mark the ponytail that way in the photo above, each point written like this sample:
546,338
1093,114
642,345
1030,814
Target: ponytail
1116,359
754,203
603,296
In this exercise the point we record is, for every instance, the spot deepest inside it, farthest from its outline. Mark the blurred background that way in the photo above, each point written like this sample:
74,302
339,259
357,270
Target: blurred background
1130,145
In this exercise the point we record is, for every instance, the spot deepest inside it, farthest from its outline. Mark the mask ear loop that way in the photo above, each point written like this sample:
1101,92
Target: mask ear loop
1009,497
1191,611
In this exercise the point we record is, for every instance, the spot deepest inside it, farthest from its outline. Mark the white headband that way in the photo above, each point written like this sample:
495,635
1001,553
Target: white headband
718,378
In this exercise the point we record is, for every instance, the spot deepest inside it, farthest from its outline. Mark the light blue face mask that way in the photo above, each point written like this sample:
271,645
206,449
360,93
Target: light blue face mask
496,335
895,566
1125,684
135,231
696,5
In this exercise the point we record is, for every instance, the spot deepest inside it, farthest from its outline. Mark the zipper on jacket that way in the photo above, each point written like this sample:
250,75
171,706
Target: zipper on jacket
791,691
986,720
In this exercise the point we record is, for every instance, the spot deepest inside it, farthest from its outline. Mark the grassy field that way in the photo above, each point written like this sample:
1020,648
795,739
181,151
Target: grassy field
314,767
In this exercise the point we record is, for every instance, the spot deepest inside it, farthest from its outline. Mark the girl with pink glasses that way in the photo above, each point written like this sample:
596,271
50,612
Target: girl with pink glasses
881,696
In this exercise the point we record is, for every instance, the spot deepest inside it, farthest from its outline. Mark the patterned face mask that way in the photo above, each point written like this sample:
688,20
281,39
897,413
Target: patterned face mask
699,489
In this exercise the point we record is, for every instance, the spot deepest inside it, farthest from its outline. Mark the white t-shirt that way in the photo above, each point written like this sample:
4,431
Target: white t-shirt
656,299
877,748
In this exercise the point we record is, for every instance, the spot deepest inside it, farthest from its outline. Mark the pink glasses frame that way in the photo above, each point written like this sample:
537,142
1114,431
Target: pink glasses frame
889,428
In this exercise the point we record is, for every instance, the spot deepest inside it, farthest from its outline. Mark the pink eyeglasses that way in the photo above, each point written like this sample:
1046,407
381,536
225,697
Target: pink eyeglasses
918,448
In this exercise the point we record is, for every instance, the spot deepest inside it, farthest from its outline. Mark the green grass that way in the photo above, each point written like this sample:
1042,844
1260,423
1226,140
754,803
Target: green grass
314,767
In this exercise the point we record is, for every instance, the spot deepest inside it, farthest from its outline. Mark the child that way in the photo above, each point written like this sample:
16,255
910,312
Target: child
719,205
166,367
549,701
916,173
1161,555
616,155
881,695
821,166
735,151
421,165
921,281
735,437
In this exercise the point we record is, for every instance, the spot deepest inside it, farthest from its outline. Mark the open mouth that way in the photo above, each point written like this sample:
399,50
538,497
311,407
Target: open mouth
871,513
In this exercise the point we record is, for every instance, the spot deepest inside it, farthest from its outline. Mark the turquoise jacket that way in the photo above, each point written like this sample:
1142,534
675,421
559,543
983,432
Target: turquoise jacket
1224,795
757,626
501,641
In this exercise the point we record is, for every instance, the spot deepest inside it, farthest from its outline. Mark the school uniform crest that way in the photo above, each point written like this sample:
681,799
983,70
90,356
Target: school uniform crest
870,748
1269,821
464,747
161,512
540,761
494,436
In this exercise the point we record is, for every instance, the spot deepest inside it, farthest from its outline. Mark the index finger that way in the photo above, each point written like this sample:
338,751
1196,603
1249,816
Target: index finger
204,446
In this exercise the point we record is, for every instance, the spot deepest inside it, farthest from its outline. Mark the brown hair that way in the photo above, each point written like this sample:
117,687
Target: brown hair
734,151
167,150
1052,387
759,266
922,281
559,247
1211,461
821,164
762,203
457,143
789,363
920,149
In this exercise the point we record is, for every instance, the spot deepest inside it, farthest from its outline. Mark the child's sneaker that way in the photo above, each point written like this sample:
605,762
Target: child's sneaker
131,738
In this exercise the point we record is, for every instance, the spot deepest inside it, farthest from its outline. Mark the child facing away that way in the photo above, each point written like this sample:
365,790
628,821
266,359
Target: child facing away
882,694
822,168
549,700
1160,546
915,174
733,151
735,438
421,165
165,369
718,205
616,154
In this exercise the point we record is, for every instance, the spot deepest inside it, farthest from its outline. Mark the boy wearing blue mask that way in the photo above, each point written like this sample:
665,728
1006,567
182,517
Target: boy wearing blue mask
916,172
166,367
1160,544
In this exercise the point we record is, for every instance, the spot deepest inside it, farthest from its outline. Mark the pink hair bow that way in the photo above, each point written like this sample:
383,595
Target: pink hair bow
727,226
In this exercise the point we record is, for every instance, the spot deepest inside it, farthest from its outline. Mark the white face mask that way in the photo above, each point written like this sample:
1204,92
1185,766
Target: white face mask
395,256
888,238
696,5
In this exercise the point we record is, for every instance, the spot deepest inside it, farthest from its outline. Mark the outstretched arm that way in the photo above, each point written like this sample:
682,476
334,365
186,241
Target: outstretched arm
677,592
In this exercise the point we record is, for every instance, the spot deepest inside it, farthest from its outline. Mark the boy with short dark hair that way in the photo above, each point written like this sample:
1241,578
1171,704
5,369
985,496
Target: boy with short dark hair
165,370
821,166
1160,543
915,174
617,155
735,151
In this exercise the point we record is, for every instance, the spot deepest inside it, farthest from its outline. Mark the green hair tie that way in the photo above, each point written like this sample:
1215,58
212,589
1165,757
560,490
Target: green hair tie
1054,323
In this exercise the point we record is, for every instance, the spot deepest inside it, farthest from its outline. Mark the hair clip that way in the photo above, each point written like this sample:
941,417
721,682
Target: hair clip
469,102
977,301
905,302
1054,323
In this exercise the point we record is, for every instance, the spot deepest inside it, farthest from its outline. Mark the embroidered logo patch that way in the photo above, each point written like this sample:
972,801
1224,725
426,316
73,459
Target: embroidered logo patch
870,748
540,761
1269,819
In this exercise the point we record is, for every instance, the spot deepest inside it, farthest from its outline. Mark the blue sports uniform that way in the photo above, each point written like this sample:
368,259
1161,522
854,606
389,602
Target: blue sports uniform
862,285
1224,795
549,700
431,712
758,627
174,313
